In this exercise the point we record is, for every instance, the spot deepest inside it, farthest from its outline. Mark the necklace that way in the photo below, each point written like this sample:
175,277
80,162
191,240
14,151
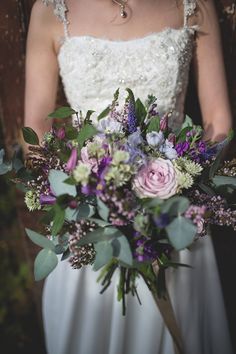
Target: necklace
122,4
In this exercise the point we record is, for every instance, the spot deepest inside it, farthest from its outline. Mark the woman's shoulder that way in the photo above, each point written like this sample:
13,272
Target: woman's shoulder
56,8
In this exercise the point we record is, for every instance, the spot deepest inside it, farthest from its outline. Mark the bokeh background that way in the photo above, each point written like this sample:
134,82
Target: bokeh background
20,297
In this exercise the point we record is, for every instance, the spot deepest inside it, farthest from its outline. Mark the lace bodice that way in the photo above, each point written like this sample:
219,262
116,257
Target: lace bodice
93,68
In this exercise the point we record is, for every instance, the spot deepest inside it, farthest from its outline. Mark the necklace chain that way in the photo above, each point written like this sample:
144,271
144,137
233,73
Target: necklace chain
122,4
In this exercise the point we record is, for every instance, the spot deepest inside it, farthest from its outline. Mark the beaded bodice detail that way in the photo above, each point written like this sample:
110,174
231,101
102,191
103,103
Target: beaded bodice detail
93,68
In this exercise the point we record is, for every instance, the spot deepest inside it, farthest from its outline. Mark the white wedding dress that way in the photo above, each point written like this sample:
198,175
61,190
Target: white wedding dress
77,319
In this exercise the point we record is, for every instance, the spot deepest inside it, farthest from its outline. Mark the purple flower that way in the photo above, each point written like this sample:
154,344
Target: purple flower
182,147
162,220
47,199
132,121
164,123
61,133
104,163
72,162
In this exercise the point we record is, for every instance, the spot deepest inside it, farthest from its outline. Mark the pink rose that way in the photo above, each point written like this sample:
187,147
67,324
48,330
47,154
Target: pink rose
91,161
156,179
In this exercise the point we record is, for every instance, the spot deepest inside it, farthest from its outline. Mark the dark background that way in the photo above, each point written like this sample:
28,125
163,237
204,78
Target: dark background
20,315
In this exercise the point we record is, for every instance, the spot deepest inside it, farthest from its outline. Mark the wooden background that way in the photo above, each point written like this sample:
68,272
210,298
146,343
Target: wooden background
20,322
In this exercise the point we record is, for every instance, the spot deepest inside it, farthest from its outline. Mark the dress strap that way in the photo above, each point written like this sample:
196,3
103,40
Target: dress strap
60,11
190,7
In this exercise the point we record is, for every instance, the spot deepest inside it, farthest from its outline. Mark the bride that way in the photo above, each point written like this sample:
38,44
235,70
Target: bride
97,46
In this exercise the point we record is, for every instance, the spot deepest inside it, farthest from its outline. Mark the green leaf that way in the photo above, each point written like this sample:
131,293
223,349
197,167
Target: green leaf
175,205
154,125
206,189
71,132
58,220
5,168
88,115
182,135
103,210
85,133
104,254
30,136
70,214
100,234
2,154
40,240
104,113
121,250
181,232
224,180
44,264
58,185
152,202
62,112
216,164
140,111
100,222
85,211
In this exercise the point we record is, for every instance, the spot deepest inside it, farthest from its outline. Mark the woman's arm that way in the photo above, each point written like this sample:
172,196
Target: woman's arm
210,75
41,69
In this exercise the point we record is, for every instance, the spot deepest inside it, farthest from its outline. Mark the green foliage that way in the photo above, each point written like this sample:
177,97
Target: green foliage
44,264
62,112
154,125
181,232
58,185
40,240
103,210
30,136
86,133
140,111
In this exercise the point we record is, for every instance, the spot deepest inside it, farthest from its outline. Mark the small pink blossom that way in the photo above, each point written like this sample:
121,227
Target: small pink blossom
164,123
72,162
156,179
61,133
90,161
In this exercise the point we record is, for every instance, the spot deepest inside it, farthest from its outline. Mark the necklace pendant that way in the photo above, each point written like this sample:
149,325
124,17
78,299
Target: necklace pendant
123,13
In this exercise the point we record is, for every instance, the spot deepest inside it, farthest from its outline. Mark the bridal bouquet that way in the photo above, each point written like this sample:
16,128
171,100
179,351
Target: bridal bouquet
124,192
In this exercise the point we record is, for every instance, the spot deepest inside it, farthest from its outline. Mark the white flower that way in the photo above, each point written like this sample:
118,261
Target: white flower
185,180
155,138
135,139
189,166
81,173
120,156
168,150
109,126
32,201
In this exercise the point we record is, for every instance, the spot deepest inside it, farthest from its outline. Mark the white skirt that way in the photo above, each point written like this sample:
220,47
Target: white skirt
78,320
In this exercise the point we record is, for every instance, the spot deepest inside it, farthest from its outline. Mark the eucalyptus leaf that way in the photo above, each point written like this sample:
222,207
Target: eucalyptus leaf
30,136
206,189
100,234
2,154
62,112
103,210
66,254
181,232
104,254
70,214
5,168
40,240
100,222
44,264
122,251
175,205
85,211
224,180
58,185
